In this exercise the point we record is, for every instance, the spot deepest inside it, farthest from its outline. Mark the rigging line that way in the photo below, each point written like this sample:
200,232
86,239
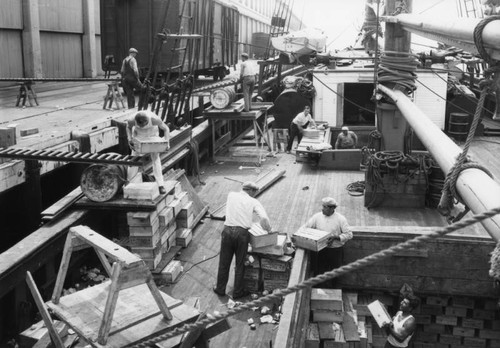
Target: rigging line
428,8
459,91
375,69
343,97
339,35
308,283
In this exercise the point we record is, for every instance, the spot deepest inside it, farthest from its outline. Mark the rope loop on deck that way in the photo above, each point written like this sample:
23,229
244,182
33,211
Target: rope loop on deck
356,265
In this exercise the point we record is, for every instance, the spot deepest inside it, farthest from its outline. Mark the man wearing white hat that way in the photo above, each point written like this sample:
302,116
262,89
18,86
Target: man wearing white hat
240,209
346,139
340,232
130,77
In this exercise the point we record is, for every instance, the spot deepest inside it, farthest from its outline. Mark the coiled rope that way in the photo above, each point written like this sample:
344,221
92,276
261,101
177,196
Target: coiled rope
492,76
351,267
398,69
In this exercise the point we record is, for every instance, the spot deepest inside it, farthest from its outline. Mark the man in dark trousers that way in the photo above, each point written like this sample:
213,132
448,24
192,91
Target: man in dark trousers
130,77
299,123
403,324
247,78
240,209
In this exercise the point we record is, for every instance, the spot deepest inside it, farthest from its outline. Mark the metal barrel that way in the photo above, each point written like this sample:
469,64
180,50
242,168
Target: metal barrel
458,125
101,182
221,98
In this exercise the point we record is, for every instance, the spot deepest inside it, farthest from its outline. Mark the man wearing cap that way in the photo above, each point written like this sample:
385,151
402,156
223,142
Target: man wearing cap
346,139
241,207
247,78
340,232
299,123
130,77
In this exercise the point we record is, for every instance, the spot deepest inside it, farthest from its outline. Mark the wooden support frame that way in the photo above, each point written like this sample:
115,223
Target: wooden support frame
126,271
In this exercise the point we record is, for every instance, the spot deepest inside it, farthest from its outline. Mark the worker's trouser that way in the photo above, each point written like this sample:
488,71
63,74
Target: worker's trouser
128,86
247,86
327,260
157,170
234,241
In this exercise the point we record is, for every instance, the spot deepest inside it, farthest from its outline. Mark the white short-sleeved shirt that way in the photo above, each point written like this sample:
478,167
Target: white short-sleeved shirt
301,119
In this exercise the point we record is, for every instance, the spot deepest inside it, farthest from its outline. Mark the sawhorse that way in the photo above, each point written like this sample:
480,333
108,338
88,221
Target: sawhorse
26,91
81,310
113,94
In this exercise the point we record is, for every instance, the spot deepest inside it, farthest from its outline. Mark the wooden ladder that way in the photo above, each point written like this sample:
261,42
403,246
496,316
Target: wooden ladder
127,271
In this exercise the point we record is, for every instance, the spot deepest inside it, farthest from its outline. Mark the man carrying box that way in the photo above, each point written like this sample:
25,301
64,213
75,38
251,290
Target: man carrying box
146,125
336,224
403,325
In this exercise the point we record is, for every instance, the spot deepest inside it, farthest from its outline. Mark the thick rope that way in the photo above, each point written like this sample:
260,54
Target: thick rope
449,192
356,265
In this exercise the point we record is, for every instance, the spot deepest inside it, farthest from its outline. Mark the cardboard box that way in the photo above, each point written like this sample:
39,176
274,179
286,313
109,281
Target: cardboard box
141,190
379,313
152,144
330,299
310,239
260,237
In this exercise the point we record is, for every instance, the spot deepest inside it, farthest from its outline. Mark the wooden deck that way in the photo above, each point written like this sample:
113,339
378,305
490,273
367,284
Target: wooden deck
289,203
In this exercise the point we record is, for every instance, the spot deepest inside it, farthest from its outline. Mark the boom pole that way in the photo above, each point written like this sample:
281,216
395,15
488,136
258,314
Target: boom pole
480,192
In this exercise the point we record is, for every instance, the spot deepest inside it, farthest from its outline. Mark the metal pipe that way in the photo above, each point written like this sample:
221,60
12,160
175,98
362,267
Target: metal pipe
458,32
479,191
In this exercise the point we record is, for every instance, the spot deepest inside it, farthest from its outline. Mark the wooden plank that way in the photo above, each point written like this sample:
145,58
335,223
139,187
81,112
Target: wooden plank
119,203
54,335
61,205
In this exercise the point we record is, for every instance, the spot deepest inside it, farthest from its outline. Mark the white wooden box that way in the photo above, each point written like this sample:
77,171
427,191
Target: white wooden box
260,237
275,249
310,239
171,271
379,313
328,299
153,144
184,237
141,190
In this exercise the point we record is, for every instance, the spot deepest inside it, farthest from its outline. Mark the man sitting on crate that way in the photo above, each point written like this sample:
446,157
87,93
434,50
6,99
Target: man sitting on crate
145,126
330,221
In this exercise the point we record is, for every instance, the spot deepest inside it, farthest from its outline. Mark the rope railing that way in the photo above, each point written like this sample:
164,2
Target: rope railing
351,267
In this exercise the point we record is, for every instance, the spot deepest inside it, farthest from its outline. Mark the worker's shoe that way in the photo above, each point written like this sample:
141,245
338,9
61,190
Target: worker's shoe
218,292
244,293
162,190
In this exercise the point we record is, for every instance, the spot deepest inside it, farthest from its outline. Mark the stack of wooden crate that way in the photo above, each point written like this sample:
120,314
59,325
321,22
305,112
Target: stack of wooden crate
275,271
150,231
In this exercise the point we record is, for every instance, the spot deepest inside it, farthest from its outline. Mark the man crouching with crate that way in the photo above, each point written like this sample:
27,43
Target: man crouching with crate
144,137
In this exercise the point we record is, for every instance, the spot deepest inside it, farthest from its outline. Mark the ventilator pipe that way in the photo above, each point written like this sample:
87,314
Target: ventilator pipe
476,188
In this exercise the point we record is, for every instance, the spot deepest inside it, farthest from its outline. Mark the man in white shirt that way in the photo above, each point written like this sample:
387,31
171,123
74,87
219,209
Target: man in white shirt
403,325
247,78
240,210
299,123
340,232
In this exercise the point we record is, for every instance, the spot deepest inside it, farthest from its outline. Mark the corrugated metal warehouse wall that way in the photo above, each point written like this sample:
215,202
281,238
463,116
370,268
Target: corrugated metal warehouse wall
50,38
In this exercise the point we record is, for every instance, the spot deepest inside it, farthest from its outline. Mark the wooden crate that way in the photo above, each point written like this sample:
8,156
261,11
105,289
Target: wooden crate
278,249
153,144
310,239
141,218
260,237
312,336
141,190
166,216
328,299
186,210
187,222
171,271
138,231
319,315
184,237
278,264
176,205
379,312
